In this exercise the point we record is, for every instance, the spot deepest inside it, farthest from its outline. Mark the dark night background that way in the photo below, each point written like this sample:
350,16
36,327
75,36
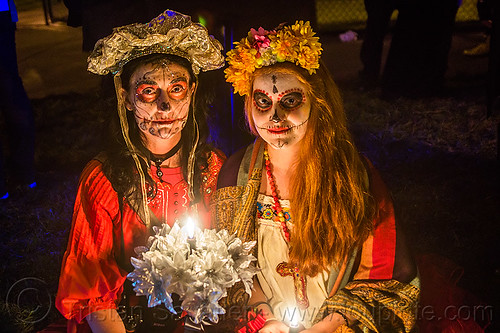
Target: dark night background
438,156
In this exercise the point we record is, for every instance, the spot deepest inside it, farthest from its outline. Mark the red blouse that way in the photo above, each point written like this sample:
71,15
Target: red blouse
91,277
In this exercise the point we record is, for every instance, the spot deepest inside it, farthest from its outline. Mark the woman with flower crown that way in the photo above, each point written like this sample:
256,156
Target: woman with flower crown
157,169
331,257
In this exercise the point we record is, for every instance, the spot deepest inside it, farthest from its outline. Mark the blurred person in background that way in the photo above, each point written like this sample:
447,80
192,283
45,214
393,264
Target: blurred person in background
19,124
418,57
377,25
484,11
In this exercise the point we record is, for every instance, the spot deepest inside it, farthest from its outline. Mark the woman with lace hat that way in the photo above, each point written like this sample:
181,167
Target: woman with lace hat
157,170
331,256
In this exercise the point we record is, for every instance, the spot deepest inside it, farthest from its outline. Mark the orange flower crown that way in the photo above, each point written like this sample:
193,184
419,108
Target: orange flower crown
295,43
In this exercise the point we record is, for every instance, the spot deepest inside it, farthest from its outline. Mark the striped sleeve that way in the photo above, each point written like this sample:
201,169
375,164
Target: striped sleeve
91,279
384,254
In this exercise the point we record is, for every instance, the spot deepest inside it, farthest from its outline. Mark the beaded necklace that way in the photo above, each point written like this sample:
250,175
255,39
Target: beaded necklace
277,206
284,268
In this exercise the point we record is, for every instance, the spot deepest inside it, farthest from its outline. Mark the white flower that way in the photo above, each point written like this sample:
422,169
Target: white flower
204,304
200,276
146,281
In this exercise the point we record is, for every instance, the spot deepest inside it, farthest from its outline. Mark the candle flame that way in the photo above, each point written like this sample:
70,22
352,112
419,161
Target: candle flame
189,227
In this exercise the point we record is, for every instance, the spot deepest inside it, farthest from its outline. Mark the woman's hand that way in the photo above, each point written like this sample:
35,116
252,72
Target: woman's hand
329,324
315,330
105,321
274,326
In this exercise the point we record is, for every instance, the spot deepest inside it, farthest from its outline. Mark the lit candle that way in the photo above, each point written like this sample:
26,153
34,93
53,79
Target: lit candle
189,227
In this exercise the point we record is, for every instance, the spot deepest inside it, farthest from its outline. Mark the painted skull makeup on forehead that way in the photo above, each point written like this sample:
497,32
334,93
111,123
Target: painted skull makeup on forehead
160,96
280,108
275,90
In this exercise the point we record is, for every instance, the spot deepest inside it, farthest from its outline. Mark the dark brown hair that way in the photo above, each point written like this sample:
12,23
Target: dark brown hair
119,166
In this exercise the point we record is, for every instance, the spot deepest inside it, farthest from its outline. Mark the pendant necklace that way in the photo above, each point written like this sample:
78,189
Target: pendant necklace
285,268
159,159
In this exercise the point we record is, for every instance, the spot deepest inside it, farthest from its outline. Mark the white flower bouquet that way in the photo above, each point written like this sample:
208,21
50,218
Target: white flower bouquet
199,269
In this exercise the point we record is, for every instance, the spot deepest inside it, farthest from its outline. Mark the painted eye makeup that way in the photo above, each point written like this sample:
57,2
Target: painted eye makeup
262,101
292,100
147,93
178,90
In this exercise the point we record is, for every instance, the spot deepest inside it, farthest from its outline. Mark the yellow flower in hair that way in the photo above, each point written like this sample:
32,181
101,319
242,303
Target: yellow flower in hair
244,64
310,48
308,59
303,29
296,44
283,45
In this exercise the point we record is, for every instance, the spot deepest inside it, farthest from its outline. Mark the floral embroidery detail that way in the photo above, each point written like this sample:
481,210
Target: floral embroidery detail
265,211
286,212
210,175
166,205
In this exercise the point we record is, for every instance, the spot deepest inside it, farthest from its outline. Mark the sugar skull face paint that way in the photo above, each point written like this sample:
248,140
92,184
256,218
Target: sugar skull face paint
280,109
159,96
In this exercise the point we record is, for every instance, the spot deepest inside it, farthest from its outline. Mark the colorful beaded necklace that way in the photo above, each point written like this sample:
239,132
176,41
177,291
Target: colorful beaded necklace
284,268
277,206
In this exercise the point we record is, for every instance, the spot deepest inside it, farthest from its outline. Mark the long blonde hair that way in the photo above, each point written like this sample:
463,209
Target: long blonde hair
330,204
